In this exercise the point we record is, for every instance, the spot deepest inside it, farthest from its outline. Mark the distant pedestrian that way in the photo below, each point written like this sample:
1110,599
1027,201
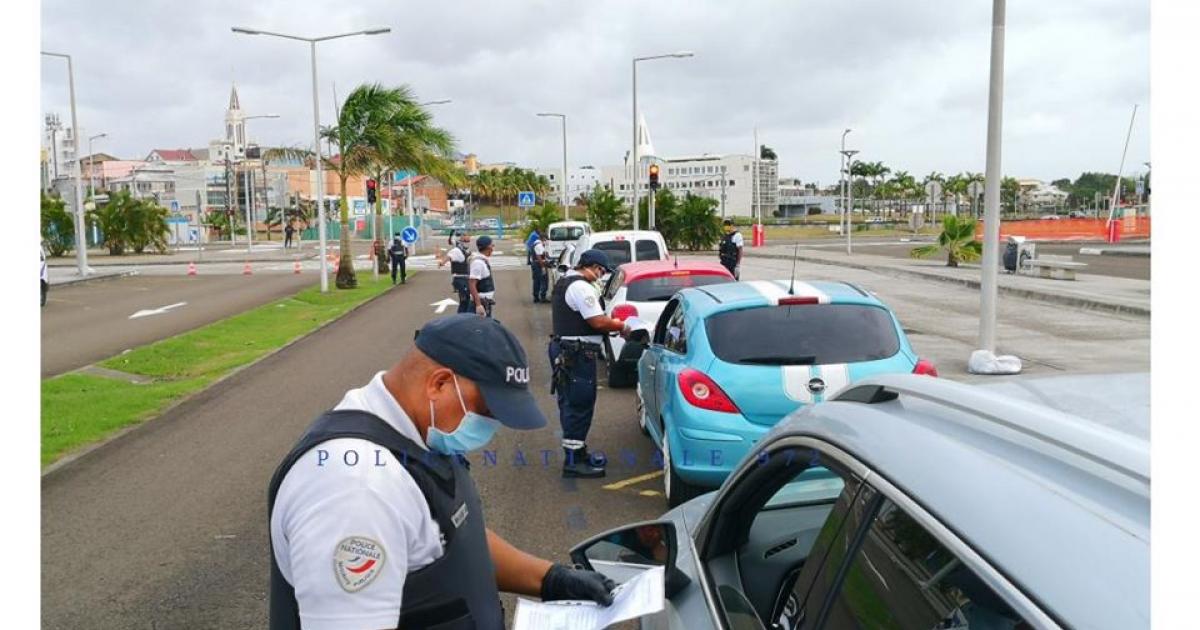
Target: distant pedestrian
288,231
398,252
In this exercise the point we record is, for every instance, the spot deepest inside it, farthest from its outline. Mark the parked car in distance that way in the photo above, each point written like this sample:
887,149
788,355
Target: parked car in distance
728,361
563,233
909,502
622,246
641,290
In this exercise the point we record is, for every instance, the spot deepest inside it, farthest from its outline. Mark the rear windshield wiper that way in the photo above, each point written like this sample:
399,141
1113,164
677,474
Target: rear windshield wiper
807,359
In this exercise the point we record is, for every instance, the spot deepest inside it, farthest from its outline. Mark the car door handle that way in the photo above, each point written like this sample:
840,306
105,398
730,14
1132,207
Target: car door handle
651,368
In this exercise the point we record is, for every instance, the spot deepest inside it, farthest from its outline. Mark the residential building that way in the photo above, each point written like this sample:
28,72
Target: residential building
428,194
149,181
1035,192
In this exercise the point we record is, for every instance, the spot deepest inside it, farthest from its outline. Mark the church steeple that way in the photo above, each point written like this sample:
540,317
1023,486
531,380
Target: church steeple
233,99
235,125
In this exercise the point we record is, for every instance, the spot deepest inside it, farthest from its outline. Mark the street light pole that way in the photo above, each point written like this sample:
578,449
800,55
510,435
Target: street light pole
845,175
849,153
92,182
991,193
562,188
250,187
636,170
320,191
80,238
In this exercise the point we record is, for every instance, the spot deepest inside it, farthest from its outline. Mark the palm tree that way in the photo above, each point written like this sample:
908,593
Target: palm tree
378,126
957,240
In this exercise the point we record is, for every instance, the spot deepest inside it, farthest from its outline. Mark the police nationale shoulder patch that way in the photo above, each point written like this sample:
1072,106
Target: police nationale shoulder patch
591,301
357,561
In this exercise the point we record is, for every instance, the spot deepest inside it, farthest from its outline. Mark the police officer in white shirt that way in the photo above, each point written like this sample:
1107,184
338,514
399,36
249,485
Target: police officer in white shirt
459,270
730,249
578,325
538,263
374,520
480,281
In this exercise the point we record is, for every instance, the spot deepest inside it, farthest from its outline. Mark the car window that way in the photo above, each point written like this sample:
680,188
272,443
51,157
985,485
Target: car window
660,328
648,250
902,577
618,251
564,233
614,285
675,338
814,334
661,289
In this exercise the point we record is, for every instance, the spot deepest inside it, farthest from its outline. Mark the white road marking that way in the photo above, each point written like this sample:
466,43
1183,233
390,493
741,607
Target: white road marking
444,304
157,311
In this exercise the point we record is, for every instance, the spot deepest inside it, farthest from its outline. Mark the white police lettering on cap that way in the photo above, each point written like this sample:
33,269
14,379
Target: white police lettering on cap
516,374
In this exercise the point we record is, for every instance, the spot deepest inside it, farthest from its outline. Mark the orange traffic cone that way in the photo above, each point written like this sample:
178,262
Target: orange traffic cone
246,270
296,267
191,269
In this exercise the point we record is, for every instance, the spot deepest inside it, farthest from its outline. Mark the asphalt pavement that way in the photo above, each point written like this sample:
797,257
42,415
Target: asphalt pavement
166,527
87,322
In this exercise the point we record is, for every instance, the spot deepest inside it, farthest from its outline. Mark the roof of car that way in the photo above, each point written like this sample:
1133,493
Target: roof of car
636,270
1053,491
623,234
734,295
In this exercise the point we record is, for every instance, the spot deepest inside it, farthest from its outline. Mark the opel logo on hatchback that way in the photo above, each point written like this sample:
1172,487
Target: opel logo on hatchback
816,386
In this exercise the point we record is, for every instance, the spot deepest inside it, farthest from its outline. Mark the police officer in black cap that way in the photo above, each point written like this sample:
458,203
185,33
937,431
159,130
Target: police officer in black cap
579,323
374,519
459,258
479,279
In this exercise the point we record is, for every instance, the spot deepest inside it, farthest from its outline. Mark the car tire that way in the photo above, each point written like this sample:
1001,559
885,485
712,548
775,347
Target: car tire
676,490
618,378
640,408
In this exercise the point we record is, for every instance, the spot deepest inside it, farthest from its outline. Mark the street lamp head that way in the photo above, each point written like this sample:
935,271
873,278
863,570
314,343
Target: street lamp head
377,31
246,31
440,102
552,114
683,53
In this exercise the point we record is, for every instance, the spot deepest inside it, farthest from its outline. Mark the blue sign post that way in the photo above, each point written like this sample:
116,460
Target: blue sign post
526,199
409,235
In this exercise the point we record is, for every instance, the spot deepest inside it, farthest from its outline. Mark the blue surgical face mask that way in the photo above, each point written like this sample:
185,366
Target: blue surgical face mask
475,430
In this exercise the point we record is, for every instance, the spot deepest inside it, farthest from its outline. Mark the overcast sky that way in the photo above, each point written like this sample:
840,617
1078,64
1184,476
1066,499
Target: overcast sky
910,78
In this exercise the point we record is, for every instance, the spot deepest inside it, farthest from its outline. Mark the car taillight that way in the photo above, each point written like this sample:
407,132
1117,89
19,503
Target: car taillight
624,312
925,367
799,299
700,390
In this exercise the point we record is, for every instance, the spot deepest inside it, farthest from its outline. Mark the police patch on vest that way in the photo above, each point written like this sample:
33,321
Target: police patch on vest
460,515
357,561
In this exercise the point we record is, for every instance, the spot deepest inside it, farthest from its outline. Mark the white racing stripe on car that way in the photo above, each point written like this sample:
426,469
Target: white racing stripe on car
836,377
774,290
795,383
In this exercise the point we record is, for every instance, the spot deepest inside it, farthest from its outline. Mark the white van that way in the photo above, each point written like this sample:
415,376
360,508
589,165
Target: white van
564,233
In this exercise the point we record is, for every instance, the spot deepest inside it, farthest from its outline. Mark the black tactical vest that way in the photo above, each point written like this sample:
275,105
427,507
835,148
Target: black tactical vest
728,249
567,322
458,590
488,284
461,268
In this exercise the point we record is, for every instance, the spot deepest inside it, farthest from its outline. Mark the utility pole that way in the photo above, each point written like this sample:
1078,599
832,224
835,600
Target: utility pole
723,181
991,222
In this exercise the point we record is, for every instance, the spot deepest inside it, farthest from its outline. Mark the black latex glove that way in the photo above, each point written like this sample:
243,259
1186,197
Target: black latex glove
563,582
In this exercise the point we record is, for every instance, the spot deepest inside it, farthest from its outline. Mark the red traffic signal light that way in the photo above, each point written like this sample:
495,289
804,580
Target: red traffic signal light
371,191
654,177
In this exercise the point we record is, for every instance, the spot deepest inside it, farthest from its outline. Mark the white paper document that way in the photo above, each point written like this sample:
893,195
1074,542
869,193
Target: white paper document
641,595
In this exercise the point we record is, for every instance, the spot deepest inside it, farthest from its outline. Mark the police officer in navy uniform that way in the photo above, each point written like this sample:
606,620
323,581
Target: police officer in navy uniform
374,519
459,258
579,323
730,249
398,252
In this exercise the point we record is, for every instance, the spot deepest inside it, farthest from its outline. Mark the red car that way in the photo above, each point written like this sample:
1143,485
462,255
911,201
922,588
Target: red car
641,290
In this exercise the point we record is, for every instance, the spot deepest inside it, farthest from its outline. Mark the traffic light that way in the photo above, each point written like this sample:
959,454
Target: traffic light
370,191
653,177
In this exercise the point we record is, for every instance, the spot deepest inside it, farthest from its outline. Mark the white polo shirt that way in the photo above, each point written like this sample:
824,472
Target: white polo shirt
539,249
738,240
349,524
581,297
456,255
479,271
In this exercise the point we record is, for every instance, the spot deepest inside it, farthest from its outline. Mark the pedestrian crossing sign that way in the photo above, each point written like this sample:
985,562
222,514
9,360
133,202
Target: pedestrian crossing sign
525,199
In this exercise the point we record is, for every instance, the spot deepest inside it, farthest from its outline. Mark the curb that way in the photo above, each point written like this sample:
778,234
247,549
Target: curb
141,263
1100,251
1040,296
94,278
82,452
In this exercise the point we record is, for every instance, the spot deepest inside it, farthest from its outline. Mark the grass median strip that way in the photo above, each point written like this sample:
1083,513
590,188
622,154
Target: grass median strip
79,409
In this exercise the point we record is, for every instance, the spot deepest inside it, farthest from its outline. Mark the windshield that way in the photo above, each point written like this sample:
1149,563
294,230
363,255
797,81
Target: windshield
807,334
618,251
662,288
566,233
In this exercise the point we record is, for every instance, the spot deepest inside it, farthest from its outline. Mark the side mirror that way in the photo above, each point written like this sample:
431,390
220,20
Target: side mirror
623,552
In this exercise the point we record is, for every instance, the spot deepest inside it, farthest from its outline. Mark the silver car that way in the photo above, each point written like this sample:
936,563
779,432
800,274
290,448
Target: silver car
914,502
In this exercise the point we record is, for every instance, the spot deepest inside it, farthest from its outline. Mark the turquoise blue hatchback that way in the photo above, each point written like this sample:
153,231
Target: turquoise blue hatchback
728,361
